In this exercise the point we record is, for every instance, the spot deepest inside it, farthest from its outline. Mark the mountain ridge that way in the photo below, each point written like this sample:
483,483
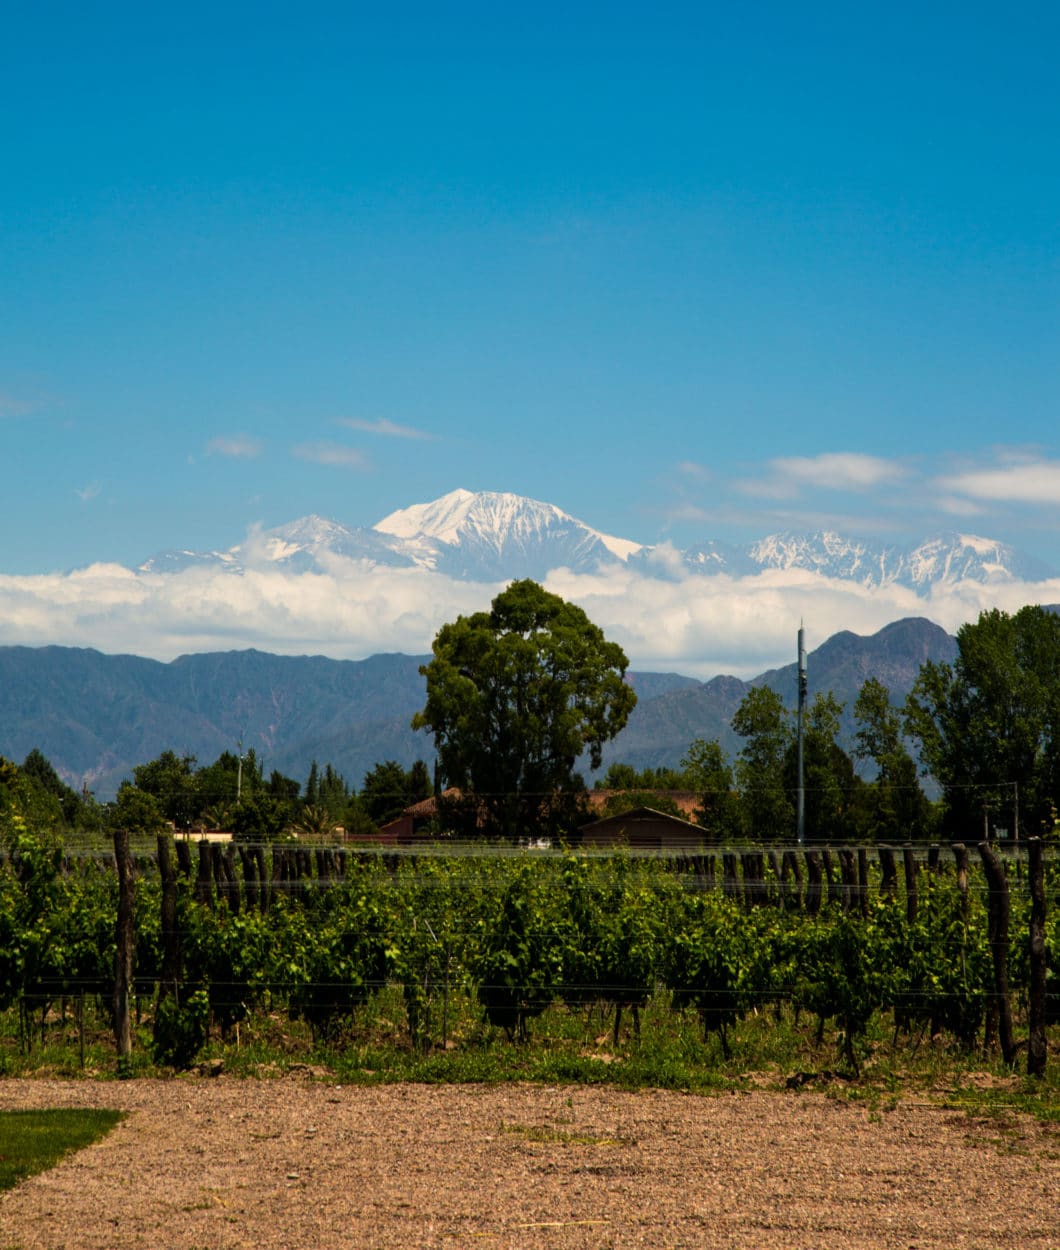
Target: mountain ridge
96,716
492,536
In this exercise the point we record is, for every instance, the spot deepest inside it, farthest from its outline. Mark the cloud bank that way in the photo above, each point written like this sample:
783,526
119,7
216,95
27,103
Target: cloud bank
697,625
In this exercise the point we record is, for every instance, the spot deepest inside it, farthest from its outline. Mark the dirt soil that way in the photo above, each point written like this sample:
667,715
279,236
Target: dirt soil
307,1164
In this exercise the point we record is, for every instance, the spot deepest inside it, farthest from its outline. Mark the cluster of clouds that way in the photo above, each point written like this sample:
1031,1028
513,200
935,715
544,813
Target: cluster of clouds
697,625
321,451
998,486
690,623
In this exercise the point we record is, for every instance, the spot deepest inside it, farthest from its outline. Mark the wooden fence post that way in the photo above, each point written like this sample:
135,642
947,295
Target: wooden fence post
832,879
184,857
960,854
170,977
848,878
863,880
998,922
909,863
203,887
123,962
779,883
814,882
888,872
731,881
794,878
1036,1045
263,877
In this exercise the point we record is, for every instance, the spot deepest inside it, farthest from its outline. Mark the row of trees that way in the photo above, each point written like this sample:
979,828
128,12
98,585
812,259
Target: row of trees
753,797
521,698
232,793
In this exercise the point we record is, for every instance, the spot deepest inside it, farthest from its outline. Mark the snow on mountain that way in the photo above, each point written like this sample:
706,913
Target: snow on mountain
304,545
943,559
492,536
829,554
957,557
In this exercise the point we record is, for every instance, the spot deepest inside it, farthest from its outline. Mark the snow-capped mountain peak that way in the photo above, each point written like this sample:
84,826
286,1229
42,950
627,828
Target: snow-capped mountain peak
510,534
492,536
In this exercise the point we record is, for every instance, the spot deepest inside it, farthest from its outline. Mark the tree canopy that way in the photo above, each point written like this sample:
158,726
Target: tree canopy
989,723
764,723
515,697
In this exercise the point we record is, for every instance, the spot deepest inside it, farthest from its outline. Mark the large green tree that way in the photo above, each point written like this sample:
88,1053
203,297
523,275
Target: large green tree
989,723
832,790
171,781
388,789
710,774
515,697
764,723
895,804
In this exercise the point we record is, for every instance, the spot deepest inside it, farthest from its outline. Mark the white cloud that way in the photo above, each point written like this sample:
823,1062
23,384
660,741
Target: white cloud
88,492
953,506
1025,482
331,454
697,625
239,446
389,429
836,470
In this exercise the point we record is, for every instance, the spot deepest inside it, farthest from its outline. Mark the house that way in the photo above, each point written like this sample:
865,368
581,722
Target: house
686,801
643,828
415,822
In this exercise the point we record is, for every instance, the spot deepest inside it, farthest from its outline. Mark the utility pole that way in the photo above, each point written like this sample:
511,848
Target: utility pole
801,806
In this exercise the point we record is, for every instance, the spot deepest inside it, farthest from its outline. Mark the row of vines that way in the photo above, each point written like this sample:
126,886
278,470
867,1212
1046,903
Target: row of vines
517,935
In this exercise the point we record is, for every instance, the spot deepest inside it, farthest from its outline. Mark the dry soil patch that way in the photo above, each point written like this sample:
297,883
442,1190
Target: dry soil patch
308,1164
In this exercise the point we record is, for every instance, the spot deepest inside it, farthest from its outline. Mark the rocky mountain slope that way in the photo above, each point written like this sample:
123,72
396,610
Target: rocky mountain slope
95,716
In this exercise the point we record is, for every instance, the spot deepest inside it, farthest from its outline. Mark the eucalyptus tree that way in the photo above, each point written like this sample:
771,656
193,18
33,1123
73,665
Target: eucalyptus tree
516,696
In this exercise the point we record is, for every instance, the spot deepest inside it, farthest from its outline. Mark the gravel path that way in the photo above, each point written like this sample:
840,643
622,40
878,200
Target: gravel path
310,1165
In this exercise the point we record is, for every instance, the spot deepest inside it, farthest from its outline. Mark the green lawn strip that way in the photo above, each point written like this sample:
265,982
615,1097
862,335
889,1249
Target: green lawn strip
33,1141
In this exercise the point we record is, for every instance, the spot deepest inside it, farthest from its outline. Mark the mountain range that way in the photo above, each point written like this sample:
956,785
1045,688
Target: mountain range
491,536
96,716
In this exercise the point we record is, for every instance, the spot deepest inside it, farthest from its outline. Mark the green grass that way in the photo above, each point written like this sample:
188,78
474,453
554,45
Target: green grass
32,1141
770,1049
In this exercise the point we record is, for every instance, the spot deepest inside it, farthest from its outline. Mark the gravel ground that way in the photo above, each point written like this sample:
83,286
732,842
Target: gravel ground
300,1163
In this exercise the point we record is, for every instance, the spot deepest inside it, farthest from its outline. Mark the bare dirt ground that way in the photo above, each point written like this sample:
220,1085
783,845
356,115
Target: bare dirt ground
308,1164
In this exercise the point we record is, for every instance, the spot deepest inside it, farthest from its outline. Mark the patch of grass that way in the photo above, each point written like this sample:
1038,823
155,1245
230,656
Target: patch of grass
560,1137
769,1048
1029,1095
33,1141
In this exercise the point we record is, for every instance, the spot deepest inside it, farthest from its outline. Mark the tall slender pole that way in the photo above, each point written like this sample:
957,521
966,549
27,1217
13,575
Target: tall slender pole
801,806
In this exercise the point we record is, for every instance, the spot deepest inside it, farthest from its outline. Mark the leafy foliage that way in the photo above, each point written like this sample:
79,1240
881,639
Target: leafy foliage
989,724
515,697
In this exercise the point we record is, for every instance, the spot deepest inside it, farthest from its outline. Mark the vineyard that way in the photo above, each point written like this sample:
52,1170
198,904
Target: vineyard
467,947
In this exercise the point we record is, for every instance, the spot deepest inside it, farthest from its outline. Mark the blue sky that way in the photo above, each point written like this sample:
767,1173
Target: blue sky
687,271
